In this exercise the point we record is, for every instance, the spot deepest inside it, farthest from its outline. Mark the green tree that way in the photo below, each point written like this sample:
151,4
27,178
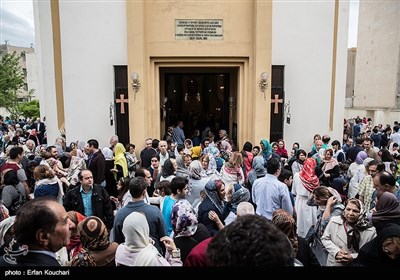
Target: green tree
11,80
30,109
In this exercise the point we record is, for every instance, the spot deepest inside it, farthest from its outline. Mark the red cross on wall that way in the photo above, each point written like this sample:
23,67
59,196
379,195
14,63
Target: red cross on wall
276,100
122,100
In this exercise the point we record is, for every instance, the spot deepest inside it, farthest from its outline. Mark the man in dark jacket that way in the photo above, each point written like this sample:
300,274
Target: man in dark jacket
96,162
90,199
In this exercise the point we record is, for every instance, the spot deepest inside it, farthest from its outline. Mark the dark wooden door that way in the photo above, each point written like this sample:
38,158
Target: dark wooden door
277,102
199,99
121,103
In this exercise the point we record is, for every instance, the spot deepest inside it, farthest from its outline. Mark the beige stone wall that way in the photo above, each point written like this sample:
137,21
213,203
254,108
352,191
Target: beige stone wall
246,45
377,55
351,68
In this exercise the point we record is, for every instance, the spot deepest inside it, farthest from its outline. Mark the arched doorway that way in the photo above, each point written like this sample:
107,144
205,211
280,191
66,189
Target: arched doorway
200,97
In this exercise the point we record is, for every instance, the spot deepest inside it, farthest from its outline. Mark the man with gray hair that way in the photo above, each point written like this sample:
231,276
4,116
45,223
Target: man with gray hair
244,208
113,142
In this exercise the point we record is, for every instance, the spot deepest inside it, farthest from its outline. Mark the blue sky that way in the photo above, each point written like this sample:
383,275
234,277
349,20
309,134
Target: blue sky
17,26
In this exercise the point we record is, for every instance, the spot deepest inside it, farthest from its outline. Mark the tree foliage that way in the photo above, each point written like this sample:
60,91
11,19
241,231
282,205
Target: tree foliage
30,109
11,80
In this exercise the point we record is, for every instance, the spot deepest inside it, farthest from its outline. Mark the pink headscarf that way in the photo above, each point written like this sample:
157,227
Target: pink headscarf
307,175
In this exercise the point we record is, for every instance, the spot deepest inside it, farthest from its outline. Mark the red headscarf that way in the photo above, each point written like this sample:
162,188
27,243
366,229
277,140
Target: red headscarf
307,175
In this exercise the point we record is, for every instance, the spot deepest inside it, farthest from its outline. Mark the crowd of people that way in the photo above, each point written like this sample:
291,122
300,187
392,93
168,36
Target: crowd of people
200,201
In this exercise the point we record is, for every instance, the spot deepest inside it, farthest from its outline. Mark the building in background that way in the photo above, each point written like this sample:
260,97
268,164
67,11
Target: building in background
377,68
259,69
27,62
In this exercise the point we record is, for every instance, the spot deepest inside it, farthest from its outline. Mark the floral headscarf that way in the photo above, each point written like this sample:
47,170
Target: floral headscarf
211,150
183,219
94,234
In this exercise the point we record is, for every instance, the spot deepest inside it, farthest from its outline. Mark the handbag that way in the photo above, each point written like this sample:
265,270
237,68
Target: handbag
310,236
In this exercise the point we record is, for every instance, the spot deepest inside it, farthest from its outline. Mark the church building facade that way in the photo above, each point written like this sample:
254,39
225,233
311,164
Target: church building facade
259,69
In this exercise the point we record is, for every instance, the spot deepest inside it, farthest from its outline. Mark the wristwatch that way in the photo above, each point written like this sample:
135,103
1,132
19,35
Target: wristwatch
176,254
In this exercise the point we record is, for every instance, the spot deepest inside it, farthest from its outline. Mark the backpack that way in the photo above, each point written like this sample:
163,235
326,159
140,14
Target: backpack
16,203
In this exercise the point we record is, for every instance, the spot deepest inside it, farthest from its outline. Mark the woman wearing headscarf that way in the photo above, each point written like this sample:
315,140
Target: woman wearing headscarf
304,183
383,250
188,147
75,245
357,164
138,248
197,183
258,170
47,184
94,238
387,211
329,168
287,225
346,234
266,150
213,201
281,151
187,231
81,149
232,171
247,158
210,166
329,205
340,184
76,165
182,170
196,152
120,164
234,195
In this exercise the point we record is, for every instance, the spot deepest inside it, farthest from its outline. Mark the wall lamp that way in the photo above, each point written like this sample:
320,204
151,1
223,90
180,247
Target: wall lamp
135,82
263,82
